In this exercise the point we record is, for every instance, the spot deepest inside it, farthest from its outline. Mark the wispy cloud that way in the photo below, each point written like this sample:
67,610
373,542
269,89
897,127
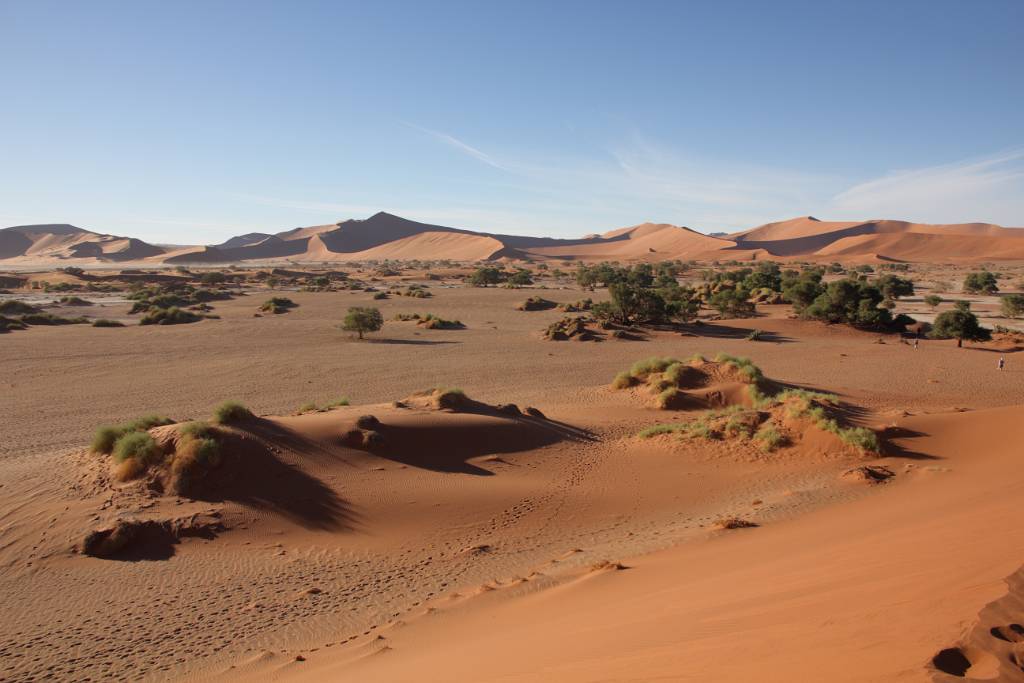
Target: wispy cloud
989,188
459,145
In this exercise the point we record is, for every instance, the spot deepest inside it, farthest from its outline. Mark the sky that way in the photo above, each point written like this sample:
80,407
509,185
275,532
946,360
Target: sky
189,122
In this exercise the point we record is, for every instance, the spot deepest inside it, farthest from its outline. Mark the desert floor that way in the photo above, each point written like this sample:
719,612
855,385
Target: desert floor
476,547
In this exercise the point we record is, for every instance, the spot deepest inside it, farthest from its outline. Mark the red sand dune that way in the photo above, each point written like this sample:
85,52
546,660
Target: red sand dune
385,236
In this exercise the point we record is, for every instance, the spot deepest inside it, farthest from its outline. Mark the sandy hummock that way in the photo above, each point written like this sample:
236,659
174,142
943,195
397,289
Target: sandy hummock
518,530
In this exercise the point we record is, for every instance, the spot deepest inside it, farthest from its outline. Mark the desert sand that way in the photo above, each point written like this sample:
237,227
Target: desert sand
479,541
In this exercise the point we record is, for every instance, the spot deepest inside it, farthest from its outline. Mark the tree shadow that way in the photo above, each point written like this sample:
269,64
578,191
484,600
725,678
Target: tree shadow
408,342
720,331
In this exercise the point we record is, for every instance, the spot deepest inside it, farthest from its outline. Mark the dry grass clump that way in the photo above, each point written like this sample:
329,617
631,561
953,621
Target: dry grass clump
569,328
451,398
196,452
734,523
312,407
231,412
104,322
536,303
577,306
8,324
434,322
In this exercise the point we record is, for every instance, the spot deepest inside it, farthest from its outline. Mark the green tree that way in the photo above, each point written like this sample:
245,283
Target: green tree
854,302
485,276
981,282
732,303
894,286
933,300
803,290
959,324
362,319
520,278
1012,305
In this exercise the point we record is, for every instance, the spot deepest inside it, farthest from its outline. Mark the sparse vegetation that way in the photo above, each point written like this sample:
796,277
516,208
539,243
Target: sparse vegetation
106,437
1012,305
231,412
980,282
933,300
169,316
277,305
16,307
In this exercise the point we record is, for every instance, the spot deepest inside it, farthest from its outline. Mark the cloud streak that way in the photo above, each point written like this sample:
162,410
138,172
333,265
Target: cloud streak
989,188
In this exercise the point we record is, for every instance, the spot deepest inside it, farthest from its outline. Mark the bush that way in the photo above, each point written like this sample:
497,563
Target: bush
103,322
380,295
277,304
769,438
433,322
732,303
50,319
8,324
15,307
74,301
981,282
484,277
139,446
933,300
105,437
1012,305
451,397
231,412
169,316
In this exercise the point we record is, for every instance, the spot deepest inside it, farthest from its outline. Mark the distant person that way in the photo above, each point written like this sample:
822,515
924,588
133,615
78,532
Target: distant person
915,342
1002,362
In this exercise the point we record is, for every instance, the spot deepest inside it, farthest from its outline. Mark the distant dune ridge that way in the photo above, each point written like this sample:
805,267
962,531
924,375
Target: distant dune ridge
385,236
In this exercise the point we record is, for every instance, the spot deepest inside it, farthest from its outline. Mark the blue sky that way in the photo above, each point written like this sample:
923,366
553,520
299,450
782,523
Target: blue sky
189,122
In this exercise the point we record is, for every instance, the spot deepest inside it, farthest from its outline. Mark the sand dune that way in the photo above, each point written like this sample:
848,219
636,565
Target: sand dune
839,595
385,236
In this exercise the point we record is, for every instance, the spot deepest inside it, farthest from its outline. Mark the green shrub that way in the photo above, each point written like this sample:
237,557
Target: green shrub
136,445
451,397
103,322
278,304
750,372
337,403
769,438
74,301
50,319
755,335
231,412
105,437
15,307
623,380
169,316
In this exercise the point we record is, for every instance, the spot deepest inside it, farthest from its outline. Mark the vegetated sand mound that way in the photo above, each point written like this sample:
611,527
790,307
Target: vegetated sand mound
692,383
739,403
276,467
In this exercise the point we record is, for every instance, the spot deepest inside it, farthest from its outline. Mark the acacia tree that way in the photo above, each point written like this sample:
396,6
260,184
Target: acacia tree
980,282
960,324
362,319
